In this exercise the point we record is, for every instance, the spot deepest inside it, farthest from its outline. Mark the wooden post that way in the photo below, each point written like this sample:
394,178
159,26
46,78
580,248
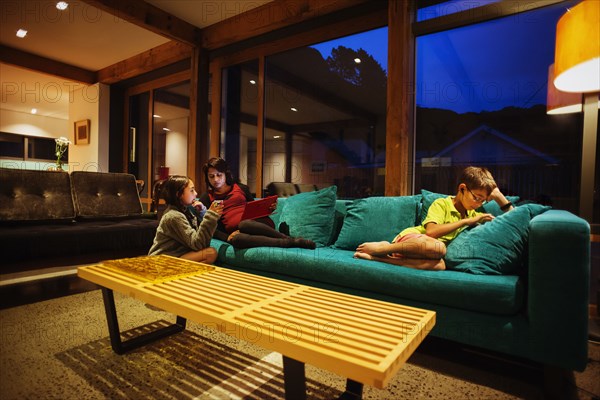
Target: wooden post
400,100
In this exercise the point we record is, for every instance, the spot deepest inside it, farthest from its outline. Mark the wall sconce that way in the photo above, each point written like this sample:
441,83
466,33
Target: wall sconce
577,55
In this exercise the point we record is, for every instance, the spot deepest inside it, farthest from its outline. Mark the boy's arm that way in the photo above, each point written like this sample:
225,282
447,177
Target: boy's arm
436,226
503,202
436,230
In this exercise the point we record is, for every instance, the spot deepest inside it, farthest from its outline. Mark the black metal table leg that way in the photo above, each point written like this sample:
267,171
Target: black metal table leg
120,346
294,379
353,390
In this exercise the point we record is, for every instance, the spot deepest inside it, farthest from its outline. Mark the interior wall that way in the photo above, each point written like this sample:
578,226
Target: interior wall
176,146
93,103
32,125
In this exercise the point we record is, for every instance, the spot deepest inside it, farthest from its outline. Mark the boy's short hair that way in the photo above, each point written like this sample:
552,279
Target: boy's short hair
478,178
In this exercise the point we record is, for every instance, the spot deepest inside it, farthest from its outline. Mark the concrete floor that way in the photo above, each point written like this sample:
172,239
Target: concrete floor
60,349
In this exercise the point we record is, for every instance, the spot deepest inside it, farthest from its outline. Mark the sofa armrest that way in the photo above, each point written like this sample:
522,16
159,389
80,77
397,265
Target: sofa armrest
559,278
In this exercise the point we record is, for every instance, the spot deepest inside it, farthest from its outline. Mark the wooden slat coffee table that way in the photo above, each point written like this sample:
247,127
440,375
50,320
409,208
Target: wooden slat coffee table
362,339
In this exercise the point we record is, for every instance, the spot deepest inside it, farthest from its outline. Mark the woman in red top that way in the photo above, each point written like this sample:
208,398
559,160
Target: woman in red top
247,233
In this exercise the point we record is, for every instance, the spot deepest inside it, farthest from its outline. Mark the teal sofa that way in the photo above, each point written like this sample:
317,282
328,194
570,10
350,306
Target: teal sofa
534,306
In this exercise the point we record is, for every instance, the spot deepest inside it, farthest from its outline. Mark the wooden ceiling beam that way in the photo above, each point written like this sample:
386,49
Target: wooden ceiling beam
147,61
23,59
268,18
152,18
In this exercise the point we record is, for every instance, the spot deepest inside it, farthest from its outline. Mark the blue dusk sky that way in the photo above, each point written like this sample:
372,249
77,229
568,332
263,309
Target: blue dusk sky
483,67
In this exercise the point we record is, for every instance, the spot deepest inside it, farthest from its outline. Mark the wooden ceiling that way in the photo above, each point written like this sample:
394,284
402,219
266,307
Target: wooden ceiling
109,41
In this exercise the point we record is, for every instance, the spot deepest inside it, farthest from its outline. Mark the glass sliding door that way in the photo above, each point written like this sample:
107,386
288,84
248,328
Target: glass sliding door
325,115
138,140
239,120
171,113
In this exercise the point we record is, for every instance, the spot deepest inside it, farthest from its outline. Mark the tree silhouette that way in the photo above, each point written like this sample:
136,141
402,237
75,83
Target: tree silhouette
366,73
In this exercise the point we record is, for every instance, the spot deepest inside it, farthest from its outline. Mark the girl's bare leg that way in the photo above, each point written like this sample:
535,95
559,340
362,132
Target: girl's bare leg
207,256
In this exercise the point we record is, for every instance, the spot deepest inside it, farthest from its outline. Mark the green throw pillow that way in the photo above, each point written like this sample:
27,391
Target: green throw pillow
496,247
310,215
376,218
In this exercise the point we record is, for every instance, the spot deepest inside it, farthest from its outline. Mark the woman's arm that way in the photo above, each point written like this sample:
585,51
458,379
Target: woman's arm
246,191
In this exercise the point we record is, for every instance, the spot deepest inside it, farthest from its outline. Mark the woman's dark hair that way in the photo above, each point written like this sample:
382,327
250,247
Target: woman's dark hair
172,189
220,165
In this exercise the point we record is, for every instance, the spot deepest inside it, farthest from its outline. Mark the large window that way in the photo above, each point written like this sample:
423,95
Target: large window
29,148
481,100
171,116
324,116
325,110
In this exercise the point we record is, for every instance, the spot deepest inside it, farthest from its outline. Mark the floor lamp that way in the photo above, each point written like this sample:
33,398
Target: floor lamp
577,70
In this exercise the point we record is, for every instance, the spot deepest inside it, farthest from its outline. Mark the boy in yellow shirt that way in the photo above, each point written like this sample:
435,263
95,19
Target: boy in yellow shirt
424,246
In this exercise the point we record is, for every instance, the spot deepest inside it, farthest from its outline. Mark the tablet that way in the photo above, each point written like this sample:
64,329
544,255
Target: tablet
259,208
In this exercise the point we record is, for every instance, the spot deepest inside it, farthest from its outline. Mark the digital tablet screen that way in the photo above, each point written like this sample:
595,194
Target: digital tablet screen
259,208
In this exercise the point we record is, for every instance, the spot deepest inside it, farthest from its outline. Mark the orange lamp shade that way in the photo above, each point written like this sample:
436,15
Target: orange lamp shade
577,56
558,102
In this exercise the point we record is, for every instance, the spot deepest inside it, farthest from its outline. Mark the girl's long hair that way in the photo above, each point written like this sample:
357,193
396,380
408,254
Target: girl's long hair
172,189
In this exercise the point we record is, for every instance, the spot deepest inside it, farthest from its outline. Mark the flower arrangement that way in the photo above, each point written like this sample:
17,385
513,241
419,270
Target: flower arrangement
62,144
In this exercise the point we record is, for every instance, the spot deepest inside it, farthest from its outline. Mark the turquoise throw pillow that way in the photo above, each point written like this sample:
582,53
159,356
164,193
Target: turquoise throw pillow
495,247
376,218
310,215
428,199
493,208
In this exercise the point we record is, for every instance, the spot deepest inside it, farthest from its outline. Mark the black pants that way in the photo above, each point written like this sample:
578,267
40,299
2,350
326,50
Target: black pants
254,233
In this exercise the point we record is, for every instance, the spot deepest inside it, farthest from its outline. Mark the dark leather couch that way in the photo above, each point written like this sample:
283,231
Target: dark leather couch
287,189
50,219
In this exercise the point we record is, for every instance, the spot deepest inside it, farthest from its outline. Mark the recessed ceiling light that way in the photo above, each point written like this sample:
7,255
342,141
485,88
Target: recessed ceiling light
357,60
34,110
62,5
294,109
21,33
252,82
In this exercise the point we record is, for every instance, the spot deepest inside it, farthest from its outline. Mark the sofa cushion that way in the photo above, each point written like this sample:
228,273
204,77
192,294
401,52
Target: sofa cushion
495,247
310,215
35,196
493,208
377,218
501,294
105,195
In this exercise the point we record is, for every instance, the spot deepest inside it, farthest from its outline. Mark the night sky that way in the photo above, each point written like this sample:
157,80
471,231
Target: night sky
483,67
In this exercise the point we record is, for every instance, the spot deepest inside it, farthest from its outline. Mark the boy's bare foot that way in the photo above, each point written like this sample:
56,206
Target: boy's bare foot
364,256
373,248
